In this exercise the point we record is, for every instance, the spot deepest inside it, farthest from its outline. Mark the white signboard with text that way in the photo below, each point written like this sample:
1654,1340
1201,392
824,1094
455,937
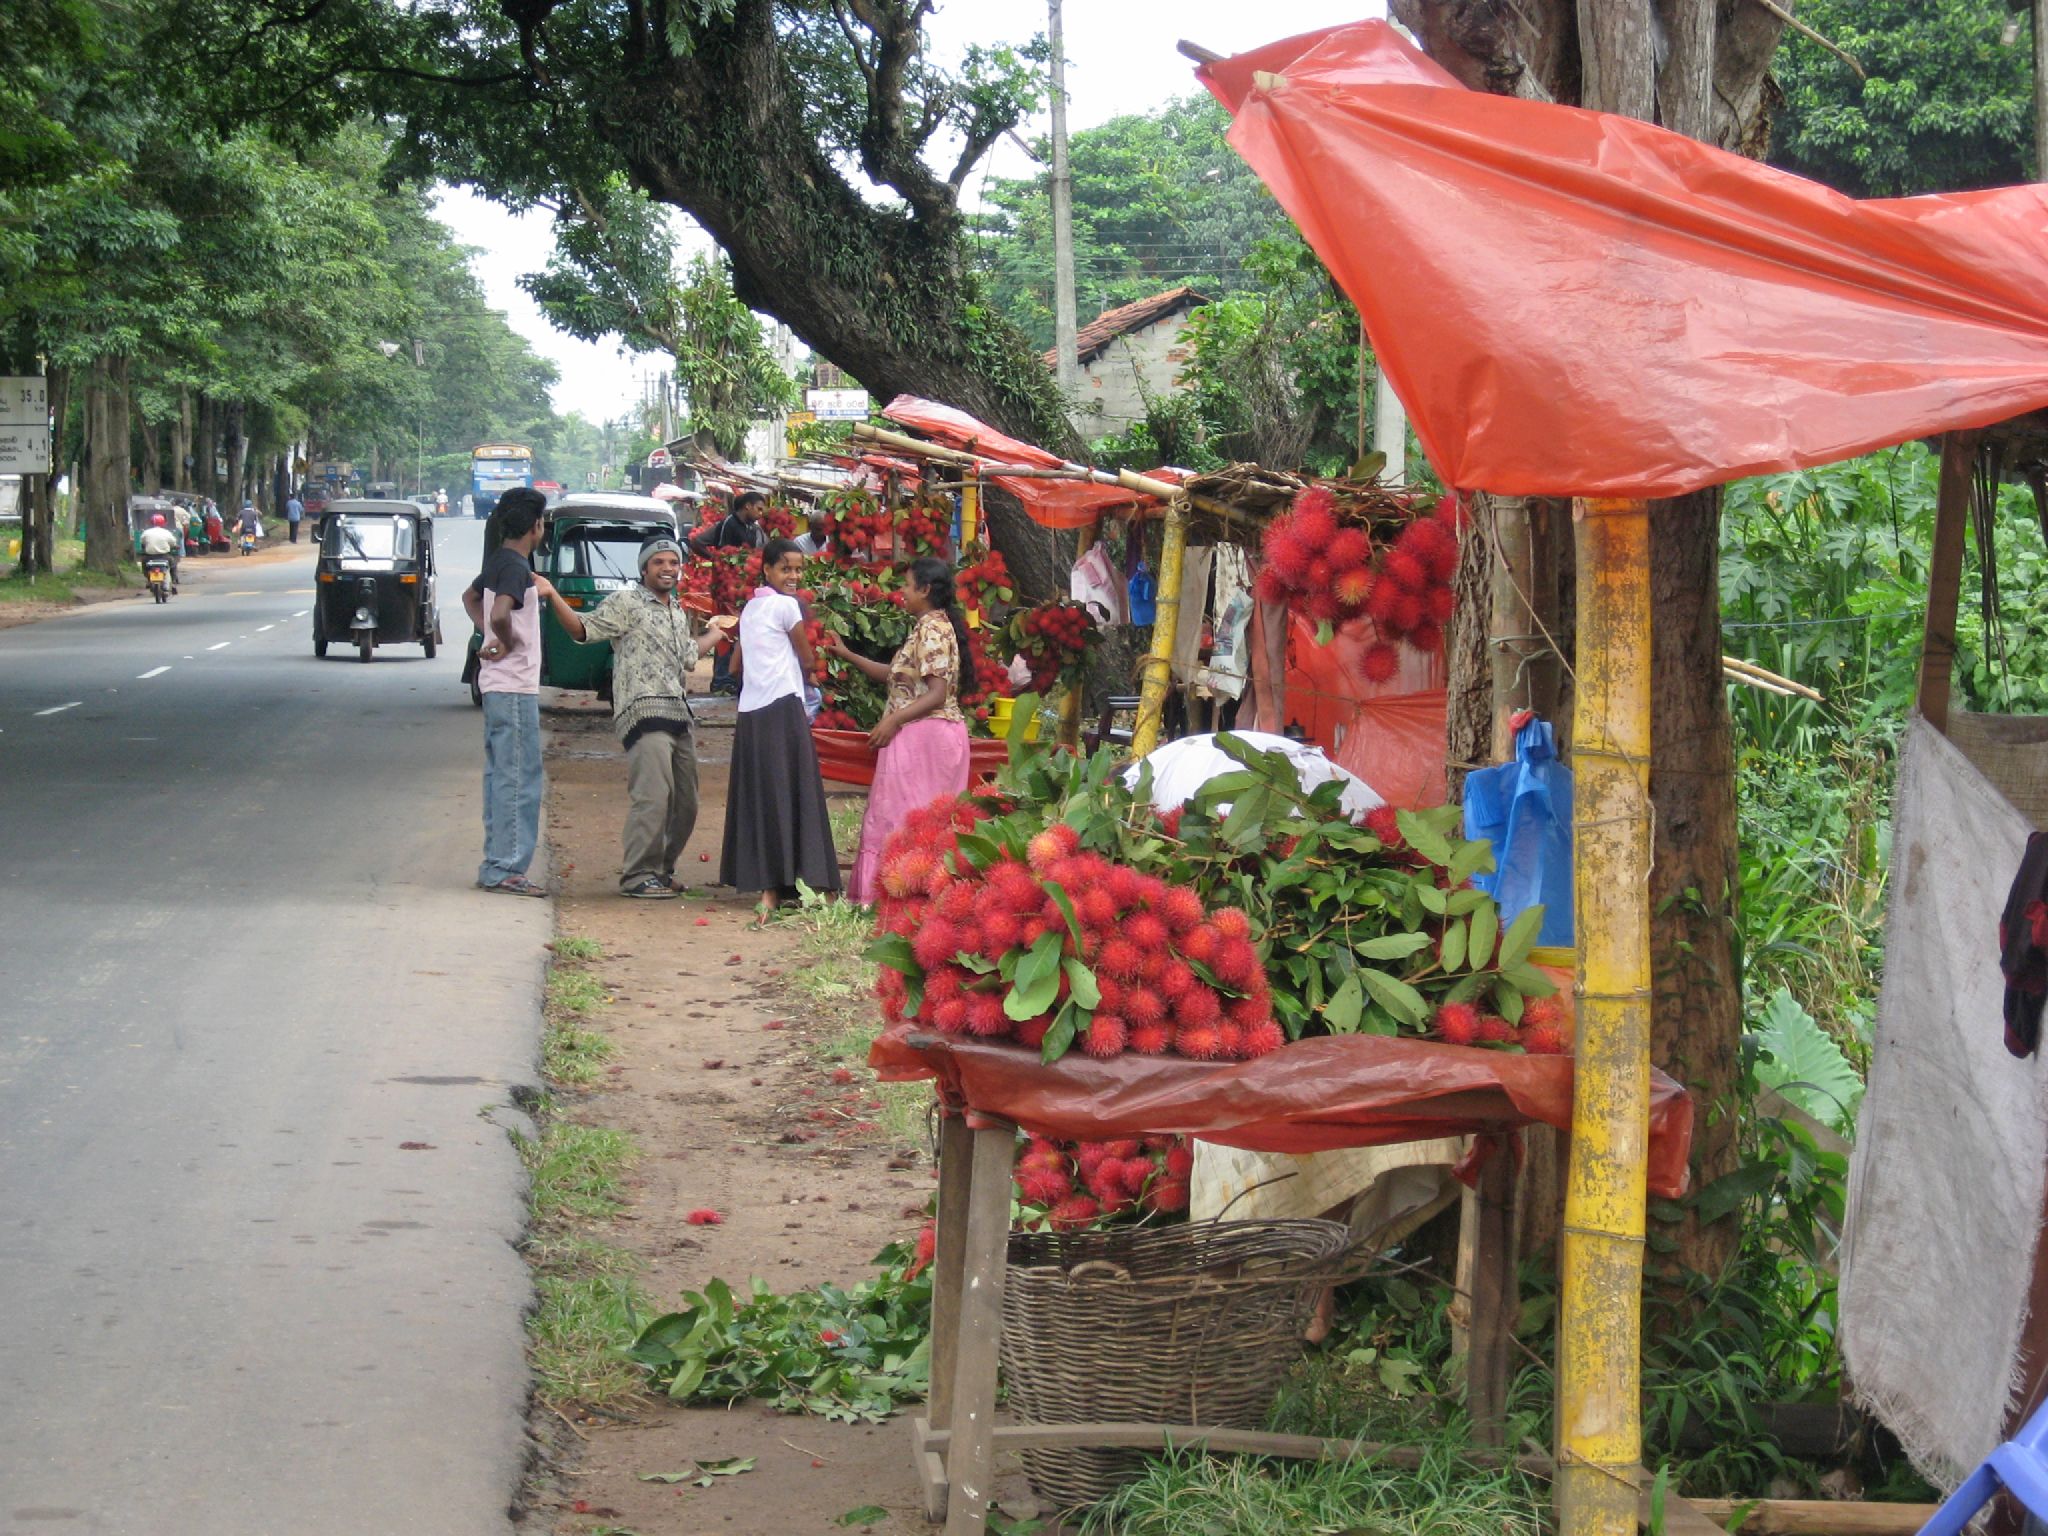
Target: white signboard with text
24,427
837,404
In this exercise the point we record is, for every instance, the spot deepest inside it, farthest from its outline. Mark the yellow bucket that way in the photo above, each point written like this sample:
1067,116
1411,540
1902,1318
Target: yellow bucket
999,712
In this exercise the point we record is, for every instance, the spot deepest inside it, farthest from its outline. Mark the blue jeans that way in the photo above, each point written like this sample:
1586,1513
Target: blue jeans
512,785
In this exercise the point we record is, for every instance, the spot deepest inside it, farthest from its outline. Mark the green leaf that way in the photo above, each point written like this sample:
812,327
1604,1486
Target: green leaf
1061,900
978,851
1507,1002
1081,985
1464,903
689,1372
1732,1189
1060,1037
1521,936
1424,838
892,950
867,1514
1802,1062
1340,1013
1470,859
1245,825
1397,997
1036,985
1451,953
1485,929
1391,946
1528,980
1435,900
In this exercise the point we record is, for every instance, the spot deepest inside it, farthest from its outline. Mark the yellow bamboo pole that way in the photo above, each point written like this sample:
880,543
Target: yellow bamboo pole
1599,1344
1070,706
1158,670
970,529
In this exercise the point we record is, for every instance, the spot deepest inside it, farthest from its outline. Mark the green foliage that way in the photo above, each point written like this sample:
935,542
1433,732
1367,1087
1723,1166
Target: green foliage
1947,106
851,1355
1804,1064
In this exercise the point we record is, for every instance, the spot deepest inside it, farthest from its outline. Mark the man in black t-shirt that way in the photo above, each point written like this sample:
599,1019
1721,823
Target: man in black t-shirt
738,529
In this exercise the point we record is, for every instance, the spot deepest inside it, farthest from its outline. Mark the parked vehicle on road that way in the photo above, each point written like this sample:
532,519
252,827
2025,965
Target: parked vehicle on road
591,549
375,578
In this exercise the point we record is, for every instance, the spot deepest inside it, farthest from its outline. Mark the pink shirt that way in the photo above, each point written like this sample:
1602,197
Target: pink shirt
518,670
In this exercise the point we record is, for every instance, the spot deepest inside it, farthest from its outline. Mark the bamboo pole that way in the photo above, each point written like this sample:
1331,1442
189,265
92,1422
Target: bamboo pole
1599,1345
1945,576
1158,667
970,530
1070,706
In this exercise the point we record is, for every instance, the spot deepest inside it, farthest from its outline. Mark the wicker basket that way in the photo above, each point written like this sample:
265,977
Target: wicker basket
1191,1324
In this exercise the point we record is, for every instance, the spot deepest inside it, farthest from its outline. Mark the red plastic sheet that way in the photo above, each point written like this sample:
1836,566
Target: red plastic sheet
1312,1096
1054,503
845,757
1571,303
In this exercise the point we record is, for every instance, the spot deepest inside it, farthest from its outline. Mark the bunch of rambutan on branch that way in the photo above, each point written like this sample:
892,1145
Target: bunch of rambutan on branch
1076,1184
1353,548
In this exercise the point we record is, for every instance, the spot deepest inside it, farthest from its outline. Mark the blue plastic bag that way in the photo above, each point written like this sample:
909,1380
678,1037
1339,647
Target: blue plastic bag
1144,594
1524,808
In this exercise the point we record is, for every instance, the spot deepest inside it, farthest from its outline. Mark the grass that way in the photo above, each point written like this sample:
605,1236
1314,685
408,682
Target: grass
573,948
1181,1495
846,818
63,584
570,1054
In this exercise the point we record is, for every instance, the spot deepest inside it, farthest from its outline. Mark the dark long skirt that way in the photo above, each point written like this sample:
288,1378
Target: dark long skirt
777,828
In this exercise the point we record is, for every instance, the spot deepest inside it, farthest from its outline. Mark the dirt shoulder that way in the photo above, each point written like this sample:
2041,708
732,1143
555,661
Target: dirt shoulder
726,1078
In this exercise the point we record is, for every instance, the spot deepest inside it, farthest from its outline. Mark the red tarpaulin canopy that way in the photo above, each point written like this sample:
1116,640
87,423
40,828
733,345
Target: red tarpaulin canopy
1054,503
1572,303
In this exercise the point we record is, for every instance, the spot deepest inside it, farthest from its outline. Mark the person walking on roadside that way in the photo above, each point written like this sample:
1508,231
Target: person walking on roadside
922,735
508,676
738,529
654,650
778,830
294,514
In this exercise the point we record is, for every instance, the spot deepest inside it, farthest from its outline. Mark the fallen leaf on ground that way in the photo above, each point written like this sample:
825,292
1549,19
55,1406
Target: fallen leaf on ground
415,1146
702,1473
867,1514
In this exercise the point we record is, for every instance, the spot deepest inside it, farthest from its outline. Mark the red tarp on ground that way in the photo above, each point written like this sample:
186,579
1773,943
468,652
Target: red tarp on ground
1349,1091
845,757
1572,303
1054,503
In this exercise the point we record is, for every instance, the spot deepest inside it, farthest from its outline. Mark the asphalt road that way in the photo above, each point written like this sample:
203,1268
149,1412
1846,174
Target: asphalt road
256,1223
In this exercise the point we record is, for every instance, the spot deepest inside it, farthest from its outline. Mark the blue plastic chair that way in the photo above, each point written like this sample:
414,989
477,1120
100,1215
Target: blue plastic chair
2019,1467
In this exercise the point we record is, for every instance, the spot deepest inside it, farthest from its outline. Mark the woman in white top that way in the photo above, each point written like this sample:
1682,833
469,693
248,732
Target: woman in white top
777,828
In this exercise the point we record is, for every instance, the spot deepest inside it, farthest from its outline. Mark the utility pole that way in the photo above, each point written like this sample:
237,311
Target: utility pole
2040,10
1389,429
1063,319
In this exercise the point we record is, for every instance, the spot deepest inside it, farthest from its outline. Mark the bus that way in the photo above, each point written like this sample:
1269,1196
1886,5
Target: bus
494,468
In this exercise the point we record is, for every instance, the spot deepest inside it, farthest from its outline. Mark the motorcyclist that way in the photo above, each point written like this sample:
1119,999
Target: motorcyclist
248,522
158,542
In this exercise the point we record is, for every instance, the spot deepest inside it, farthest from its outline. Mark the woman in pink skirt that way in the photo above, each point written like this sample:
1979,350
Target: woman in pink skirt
922,735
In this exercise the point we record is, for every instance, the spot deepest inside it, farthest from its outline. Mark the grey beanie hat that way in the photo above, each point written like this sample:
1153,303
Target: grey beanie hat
662,545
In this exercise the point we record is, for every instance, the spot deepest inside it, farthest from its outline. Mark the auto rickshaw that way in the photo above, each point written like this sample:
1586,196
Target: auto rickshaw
142,510
375,578
590,550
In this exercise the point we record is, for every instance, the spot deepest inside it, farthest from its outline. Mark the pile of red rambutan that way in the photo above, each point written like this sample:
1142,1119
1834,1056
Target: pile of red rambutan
1337,559
835,720
858,522
984,577
1079,1183
1052,638
924,527
1544,1029
1144,967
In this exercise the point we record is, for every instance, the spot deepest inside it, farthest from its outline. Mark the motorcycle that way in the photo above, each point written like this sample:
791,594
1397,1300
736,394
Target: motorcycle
156,570
248,542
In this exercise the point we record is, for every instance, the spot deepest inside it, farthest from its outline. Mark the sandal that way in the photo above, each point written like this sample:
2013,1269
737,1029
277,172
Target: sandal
517,885
653,888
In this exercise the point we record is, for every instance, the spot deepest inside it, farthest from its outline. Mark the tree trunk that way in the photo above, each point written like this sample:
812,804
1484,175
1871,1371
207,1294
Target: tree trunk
181,443
205,445
150,439
105,465
235,441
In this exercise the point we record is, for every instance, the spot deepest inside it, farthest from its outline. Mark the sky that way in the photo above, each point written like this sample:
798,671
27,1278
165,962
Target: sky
1120,59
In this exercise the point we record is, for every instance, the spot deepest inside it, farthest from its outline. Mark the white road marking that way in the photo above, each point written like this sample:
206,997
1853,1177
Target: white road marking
302,613
152,672
58,709
222,646
264,629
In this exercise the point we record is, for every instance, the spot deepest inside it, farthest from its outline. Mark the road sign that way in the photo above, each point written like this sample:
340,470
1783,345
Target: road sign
24,402
24,450
838,404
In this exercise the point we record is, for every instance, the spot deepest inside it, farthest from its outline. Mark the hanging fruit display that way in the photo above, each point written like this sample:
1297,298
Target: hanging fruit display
1053,639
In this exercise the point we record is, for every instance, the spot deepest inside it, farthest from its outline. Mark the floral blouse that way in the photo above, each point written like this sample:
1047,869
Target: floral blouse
931,651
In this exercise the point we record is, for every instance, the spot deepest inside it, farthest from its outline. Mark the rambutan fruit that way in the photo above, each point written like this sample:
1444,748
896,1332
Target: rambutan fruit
1143,1005
1000,933
1230,1041
1042,1186
1137,1172
1440,603
985,1016
1407,613
1354,589
1105,1182
1323,606
1379,603
1105,1036
1095,907
1248,1011
1197,1006
1147,931
1321,575
1201,943
1089,1155
1073,1213
1170,822
1316,498
1542,1010
1262,1039
1167,1196
1457,1023
1119,957
957,904
1150,1039
1181,908
950,1017
1384,823
1287,555
933,944
1237,964
1056,842
1126,885
1495,1030
1315,525
948,981
1199,1044
1379,662
1032,1032
1435,543
1180,1160
1548,1039
1231,922
1112,992
1349,550
1123,1146
1427,638
1176,981
1269,587
1156,962
1405,569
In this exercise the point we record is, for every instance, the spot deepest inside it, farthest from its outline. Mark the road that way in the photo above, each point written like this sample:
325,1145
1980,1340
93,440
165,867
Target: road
256,1227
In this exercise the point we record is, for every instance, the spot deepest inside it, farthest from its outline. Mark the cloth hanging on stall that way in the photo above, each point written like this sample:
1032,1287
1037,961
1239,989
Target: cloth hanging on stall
1524,809
1946,1187
1229,665
1577,304
2023,948
1096,586
1196,563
